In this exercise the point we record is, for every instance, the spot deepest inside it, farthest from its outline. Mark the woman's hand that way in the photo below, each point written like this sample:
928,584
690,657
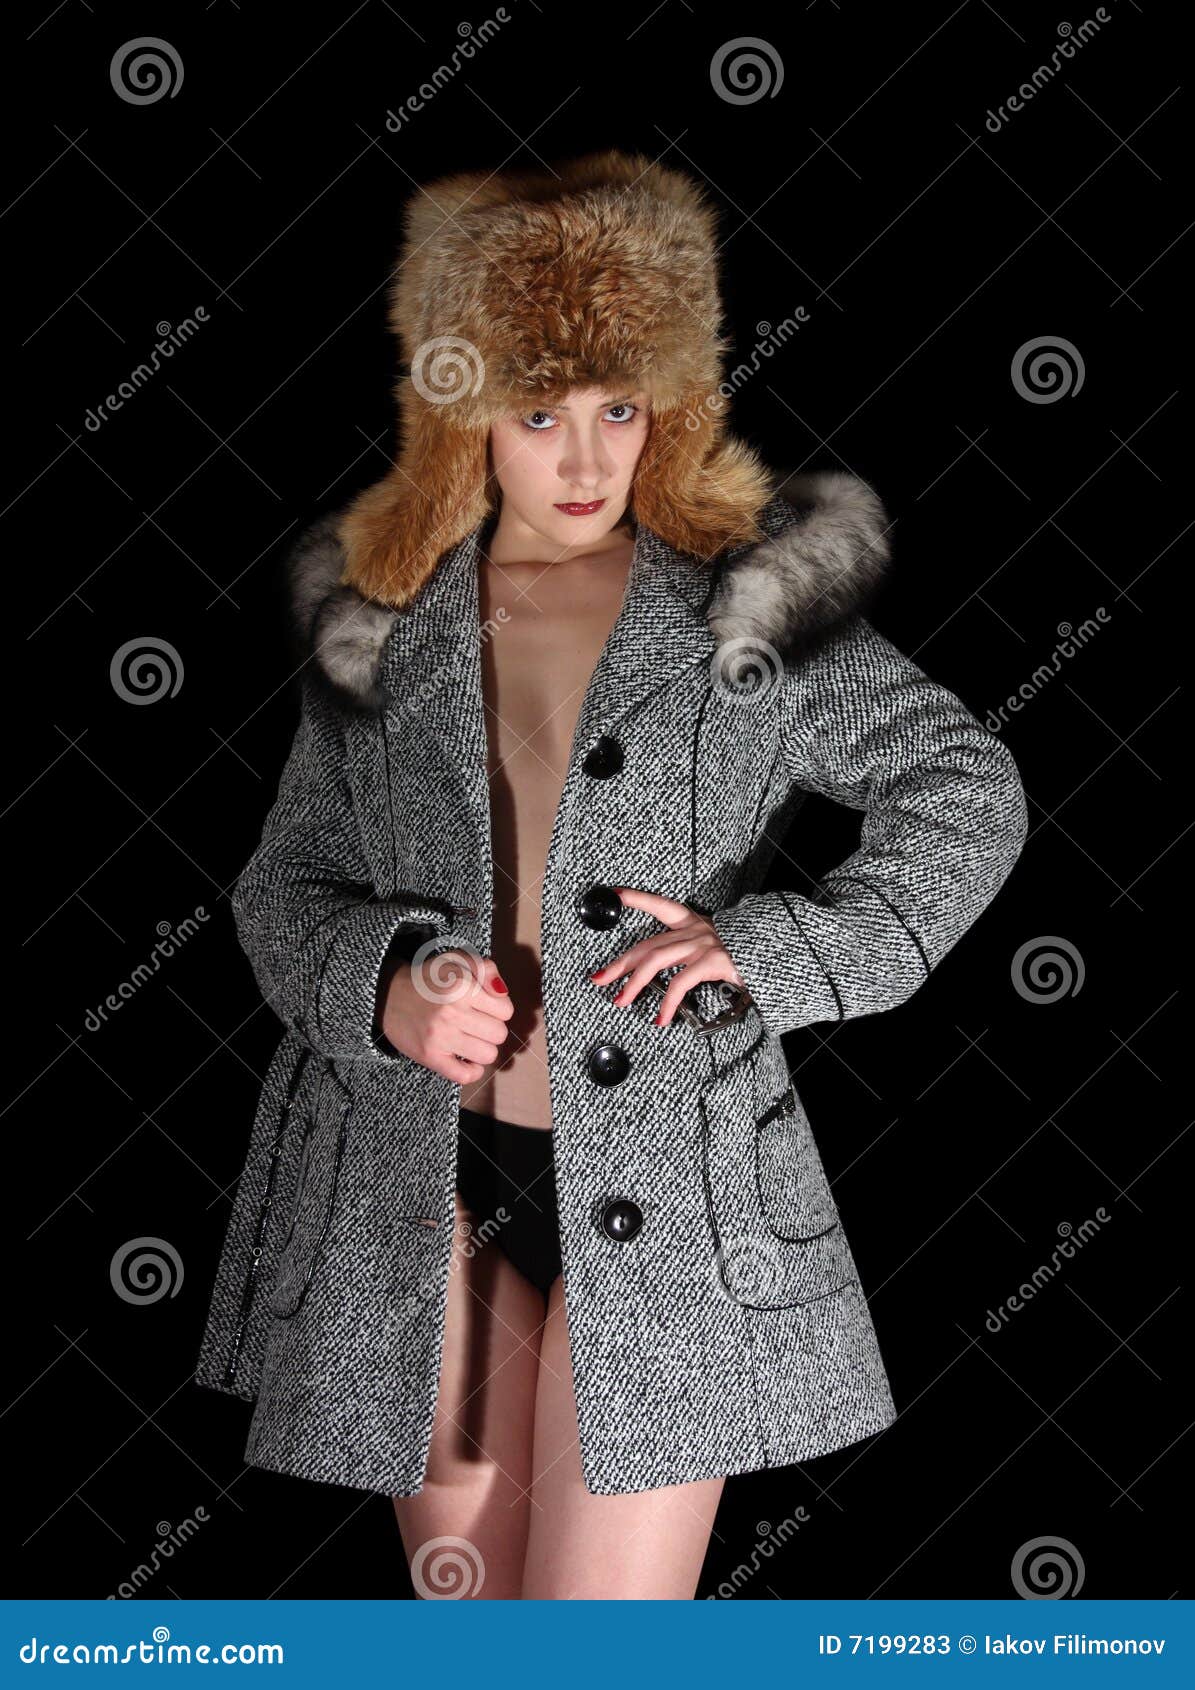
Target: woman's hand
449,1013
692,940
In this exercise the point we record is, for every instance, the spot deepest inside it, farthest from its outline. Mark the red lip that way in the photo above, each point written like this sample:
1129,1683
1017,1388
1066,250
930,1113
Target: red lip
582,510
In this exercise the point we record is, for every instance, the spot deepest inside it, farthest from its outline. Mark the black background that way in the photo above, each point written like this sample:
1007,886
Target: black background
963,1130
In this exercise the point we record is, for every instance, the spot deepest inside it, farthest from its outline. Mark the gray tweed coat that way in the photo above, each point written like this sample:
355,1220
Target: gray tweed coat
730,1332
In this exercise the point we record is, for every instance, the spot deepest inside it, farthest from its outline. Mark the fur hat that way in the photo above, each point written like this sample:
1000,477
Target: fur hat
510,289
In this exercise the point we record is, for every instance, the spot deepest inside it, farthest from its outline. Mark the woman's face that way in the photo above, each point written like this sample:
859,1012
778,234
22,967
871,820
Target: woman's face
582,450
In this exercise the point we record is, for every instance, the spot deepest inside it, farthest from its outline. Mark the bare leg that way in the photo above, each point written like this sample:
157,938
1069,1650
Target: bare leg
649,1544
479,1463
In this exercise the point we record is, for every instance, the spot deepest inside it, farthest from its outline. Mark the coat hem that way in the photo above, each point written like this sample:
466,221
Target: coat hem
783,1455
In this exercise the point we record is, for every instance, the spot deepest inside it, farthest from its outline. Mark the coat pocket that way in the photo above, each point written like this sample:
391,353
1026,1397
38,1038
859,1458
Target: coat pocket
325,1130
778,1237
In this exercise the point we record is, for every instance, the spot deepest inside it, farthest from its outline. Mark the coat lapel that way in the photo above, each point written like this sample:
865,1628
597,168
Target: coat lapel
416,669
431,663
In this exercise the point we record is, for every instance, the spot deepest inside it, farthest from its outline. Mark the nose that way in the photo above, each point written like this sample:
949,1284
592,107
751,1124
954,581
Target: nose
585,465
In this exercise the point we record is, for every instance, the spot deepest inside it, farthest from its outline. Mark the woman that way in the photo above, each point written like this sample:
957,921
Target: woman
533,1235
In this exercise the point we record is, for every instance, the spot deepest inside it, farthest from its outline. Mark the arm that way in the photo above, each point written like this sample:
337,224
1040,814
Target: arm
320,942
944,820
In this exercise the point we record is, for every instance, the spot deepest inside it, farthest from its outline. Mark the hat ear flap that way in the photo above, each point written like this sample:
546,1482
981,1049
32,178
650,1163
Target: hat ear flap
395,532
697,491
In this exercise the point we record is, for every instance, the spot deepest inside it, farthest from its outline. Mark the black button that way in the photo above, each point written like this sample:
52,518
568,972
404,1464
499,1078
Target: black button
621,1219
604,759
608,1064
600,906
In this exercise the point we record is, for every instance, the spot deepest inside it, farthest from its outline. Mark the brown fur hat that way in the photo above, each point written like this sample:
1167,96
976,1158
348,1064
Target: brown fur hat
510,289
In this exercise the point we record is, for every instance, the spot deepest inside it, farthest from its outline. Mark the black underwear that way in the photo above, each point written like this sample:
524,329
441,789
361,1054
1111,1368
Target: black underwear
501,1165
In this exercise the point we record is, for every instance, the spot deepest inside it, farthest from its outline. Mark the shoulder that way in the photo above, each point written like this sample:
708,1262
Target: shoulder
823,556
335,635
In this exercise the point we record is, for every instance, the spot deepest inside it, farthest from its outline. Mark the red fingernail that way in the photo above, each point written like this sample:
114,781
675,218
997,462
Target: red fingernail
499,984
657,1021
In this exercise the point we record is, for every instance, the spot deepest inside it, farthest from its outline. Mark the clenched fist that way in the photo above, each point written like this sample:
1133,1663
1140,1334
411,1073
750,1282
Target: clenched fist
447,1012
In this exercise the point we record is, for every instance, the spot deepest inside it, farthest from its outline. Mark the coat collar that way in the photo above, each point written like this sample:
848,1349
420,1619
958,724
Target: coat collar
822,557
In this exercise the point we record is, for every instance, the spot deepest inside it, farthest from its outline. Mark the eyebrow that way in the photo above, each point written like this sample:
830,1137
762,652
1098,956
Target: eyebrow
622,399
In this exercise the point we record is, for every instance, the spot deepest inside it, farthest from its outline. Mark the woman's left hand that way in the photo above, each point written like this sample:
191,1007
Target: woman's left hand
692,940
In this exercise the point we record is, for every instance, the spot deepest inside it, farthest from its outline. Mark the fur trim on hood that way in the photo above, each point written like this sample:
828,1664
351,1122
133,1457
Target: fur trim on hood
824,555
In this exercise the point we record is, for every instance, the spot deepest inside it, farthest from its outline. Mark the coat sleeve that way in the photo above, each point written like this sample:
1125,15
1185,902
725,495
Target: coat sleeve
944,820
316,934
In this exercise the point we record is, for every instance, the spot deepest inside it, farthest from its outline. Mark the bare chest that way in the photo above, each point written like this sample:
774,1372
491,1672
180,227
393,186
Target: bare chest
536,667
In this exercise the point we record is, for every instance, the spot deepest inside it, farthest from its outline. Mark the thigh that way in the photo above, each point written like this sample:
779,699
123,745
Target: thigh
465,1533
649,1544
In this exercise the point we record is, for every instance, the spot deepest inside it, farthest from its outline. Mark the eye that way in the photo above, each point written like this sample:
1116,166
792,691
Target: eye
530,422
628,408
